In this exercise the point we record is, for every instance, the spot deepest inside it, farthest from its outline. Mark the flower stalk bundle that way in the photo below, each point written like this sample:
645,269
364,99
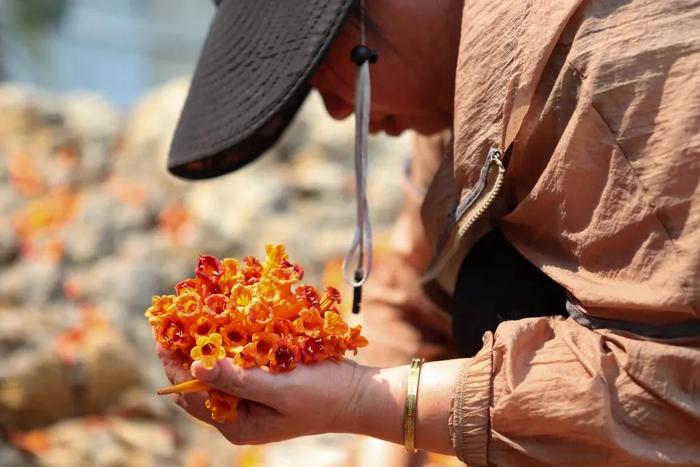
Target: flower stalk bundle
257,314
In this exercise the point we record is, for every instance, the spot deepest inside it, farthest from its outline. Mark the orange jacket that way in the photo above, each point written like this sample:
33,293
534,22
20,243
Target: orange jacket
577,130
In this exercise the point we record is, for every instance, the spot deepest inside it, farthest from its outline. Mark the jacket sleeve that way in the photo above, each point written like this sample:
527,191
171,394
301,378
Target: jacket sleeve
548,391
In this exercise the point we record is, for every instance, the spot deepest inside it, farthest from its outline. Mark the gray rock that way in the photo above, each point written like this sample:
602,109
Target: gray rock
115,442
127,218
87,240
133,283
231,205
4,175
92,116
30,283
139,403
101,224
11,457
10,200
94,160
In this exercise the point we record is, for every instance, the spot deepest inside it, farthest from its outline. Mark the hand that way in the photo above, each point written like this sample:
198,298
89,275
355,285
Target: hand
312,399
326,397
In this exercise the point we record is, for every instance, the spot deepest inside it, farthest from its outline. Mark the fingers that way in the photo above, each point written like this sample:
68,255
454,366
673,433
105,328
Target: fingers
253,384
162,351
193,403
256,423
174,365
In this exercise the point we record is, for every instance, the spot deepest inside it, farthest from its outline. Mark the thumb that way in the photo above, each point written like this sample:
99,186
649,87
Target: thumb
252,384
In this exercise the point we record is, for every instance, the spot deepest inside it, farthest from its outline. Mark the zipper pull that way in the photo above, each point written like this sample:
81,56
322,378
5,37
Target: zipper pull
493,156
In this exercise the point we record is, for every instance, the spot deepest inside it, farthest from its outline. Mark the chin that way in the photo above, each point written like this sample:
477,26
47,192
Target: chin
394,131
394,126
391,131
389,125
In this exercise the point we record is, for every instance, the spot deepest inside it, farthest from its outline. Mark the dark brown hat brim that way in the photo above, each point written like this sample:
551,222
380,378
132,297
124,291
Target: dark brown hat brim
251,78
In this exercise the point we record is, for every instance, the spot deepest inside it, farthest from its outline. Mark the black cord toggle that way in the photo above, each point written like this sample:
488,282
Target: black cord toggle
361,54
357,293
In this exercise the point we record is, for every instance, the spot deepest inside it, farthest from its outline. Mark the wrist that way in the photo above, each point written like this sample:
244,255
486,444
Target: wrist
377,403
377,406
435,392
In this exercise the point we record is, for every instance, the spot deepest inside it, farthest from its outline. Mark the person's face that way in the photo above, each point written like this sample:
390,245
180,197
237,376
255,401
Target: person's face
413,81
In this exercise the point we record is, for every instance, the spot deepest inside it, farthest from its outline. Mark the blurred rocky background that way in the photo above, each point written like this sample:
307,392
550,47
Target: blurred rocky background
92,225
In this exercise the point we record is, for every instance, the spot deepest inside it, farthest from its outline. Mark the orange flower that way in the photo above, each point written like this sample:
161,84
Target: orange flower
262,345
25,177
241,296
333,324
278,274
355,340
172,333
285,276
230,265
309,322
336,347
243,359
209,268
208,350
163,301
231,275
188,305
269,290
234,336
35,442
285,356
202,326
209,288
215,306
252,270
287,308
274,255
308,296
161,306
293,269
257,316
312,349
188,285
174,220
281,327
331,296
223,406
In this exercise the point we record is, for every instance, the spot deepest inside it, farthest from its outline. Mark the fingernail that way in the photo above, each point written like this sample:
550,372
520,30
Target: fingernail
204,374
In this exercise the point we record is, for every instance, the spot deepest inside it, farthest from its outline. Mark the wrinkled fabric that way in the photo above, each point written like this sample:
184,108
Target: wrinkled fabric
565,395
598,103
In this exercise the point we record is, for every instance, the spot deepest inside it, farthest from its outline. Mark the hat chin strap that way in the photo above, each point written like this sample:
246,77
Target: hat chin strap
359,256
358,261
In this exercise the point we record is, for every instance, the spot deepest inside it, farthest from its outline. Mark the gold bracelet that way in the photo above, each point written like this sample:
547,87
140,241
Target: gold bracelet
409,421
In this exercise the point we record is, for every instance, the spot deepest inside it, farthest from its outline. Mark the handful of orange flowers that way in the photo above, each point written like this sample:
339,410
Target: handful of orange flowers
255,313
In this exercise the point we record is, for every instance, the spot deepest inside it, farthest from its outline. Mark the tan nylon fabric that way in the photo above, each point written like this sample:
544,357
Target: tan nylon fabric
470,407
600,101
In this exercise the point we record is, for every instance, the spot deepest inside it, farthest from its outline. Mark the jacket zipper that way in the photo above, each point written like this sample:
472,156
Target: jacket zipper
494,157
